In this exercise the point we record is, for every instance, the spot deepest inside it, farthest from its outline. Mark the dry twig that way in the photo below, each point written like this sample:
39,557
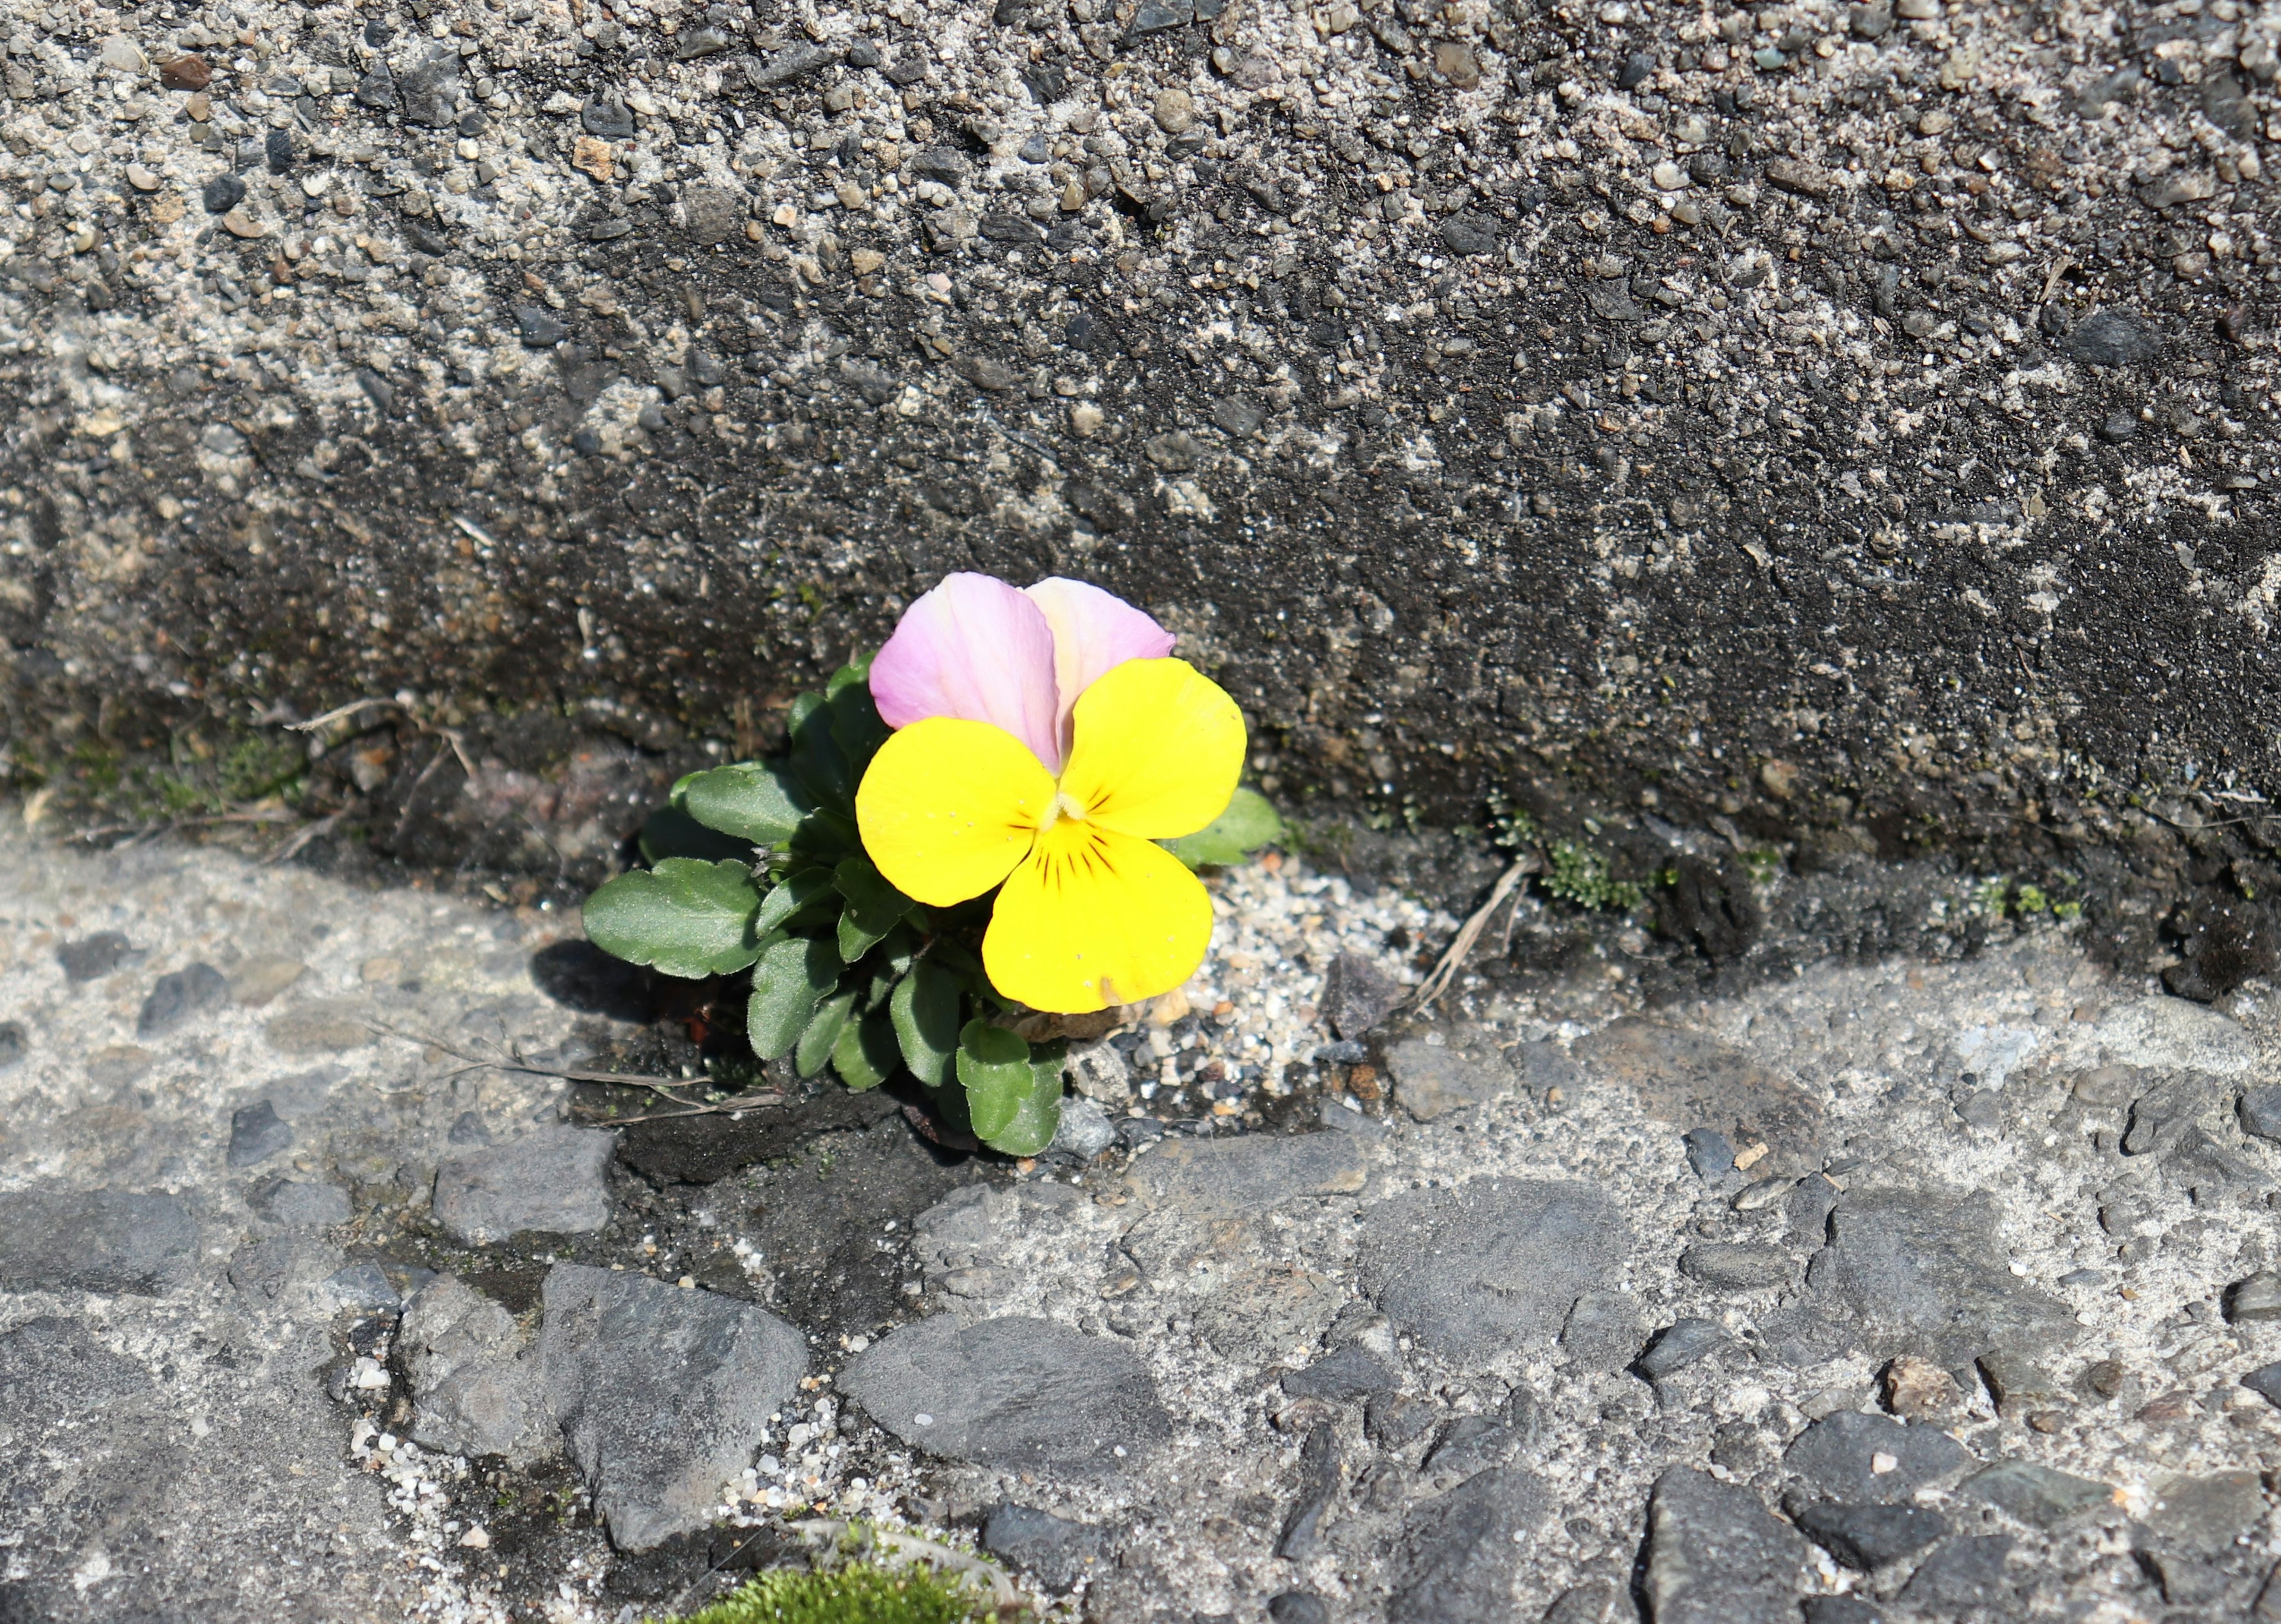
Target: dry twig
1454,960
511,1059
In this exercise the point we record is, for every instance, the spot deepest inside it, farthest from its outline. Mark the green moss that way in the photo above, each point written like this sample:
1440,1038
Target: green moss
1580,874
856,1594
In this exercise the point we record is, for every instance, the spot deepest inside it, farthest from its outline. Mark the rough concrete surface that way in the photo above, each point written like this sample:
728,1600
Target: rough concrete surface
1855,420
1993,1328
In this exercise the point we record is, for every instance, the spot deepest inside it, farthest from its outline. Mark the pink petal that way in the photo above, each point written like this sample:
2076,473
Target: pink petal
1093,632
977,649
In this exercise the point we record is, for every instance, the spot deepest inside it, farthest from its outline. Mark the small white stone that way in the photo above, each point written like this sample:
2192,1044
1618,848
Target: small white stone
923,1419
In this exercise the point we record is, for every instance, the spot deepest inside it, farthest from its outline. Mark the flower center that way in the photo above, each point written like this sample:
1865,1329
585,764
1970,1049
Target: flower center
1065,806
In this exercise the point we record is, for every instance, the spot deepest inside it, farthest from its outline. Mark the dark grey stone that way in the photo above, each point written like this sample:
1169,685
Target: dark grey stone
376,90
1604,1331
1460,1552
1732,1265
1842,1610
14,1042
1358,996
1837,1455
468,1128
2261,1112
1692,1081
477,1389
300,1206
1716,1555
662,1395
702,43
1469,234
2036,1494
1433,1080
1871,22
2205,1515
1053,1551
2163,1113
267,1272
549,1181
1964,1573
2265,1379
1350,1372
1638,68
1595,1601
1470,1443
1680,1344
539,327
792,62
1492,1265
2116,426
1298,1607
256,1133
1319,1488
1869,1536
2184,1581
607,117
1392,1420
1084,1132
90,958
364,1287
107,1241
430,89
711,214
1919,1272
2113,338
1708,1153
1014,1393
222,194
190,990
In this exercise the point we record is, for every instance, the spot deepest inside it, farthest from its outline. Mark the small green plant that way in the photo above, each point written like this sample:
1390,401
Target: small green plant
1578,874
758,870
1763,863
858,1593
2029,900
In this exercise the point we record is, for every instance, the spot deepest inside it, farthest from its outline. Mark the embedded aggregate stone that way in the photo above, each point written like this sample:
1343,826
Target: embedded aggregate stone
256,1133
551,1180
1869,1536
1058,1551
1694,1082
2037,1495
1715,1553
102,1241
1853,1457
1432,1080
662,1395
1458,1552
478,1386
1013,1392
1967,1572
1492,1264
181,997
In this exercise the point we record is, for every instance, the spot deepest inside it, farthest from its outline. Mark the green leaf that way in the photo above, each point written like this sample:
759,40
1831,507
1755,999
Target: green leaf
857,670
1015,1103
822,1034
816,759
874,906
685,917
794,894
1249,824
865,1057
825,837
924,1007
671,833
856,728
792,975
754,801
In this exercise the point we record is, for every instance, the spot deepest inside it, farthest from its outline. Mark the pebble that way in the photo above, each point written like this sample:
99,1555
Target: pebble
2261,1112
1715,1552
15,1042
1057,1551
141,179
90,958
1737,1266
1460,1552
259,980
1680,1344
1841,1456
552,1181
257,1133
1963,1573
477,1388
1015,1393
1175,112
179,997
2037,1495
1351,1372
1692,1081
1431,1080
102,1240
1869,1536
1495,1264
222,194
322,1026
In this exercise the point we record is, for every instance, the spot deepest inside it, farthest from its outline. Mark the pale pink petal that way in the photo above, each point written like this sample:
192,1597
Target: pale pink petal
1093,632
977,649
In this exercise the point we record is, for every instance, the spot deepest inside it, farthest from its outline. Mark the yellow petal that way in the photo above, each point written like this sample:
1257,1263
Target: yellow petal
1094,917
1157,750
948,807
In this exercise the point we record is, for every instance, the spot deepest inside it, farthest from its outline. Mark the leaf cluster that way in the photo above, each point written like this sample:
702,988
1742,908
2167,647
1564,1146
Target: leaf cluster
858,1593
757,867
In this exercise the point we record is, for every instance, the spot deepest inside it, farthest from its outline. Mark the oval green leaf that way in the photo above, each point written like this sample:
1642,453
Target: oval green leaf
792,977
822,1034
754,801
685,917
865,1056
1250,822
925,1008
